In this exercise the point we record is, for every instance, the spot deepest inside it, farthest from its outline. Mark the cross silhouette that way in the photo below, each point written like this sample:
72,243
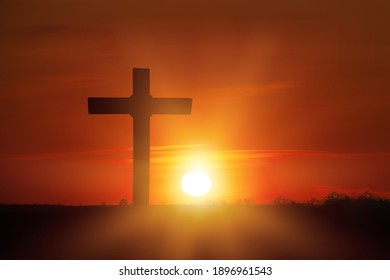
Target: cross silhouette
141,105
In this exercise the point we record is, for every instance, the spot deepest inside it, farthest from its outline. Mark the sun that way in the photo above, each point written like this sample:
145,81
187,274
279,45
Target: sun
196,183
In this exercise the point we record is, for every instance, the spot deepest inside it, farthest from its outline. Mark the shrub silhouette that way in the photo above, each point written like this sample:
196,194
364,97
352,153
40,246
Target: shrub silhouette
282,201
123,202
313,202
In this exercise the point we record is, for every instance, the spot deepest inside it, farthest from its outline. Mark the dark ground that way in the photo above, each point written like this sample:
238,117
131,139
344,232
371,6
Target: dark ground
340,231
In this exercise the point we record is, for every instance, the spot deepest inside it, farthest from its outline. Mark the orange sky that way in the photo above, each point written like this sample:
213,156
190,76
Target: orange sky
289,99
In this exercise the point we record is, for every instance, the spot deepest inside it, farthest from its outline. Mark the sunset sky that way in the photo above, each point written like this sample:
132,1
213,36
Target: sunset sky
290,98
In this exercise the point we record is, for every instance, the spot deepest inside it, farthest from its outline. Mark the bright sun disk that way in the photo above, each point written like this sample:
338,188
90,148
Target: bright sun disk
196,183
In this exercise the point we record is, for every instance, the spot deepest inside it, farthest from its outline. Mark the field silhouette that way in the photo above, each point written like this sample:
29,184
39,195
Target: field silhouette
338,229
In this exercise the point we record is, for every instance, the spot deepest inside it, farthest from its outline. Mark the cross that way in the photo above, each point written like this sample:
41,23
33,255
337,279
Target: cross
141,105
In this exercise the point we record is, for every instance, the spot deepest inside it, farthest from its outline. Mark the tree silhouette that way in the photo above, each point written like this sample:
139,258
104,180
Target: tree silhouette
367,196
335,198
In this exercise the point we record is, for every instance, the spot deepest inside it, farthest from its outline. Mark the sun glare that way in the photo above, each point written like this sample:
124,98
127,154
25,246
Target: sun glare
196,183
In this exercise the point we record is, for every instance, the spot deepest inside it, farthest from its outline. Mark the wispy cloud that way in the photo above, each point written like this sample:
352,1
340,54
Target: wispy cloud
118,152
163,154
51,29
249,90
65,155
170,148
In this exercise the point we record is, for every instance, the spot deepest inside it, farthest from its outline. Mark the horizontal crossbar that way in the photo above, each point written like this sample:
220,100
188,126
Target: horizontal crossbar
176,106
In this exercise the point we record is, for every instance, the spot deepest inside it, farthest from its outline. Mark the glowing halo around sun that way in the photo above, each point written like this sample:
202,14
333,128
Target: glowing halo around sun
196,183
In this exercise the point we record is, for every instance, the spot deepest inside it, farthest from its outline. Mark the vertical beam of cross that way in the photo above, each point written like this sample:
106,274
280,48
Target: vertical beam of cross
141,105
141,135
